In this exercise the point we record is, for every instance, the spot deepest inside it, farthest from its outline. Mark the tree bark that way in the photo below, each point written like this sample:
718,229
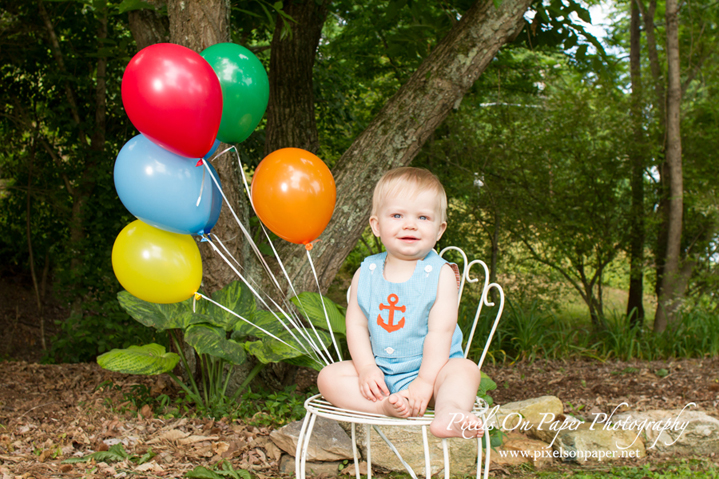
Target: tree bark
291,110
400,129
670,294
660,117
149,26
199,24
635,303
82,191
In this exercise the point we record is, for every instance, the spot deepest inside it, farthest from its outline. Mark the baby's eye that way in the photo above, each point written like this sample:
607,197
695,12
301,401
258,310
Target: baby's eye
424,217
396,215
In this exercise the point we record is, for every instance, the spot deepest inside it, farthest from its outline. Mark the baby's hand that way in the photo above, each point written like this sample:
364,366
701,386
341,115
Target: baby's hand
371,383
419,394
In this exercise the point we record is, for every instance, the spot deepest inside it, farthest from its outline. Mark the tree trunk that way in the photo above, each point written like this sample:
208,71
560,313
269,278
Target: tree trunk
660,116
670,297
635,303
199,24
400,129
83,190
291,108
149,26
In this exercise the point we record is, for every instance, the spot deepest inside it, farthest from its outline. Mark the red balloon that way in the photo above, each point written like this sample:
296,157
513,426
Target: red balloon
294,194
173,97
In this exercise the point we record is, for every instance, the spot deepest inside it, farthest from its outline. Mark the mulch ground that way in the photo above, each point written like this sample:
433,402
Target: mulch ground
50,413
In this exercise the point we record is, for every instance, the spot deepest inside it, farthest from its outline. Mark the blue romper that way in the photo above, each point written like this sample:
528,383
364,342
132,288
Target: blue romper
398,315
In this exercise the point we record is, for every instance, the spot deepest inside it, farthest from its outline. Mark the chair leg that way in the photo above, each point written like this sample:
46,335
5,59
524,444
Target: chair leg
445,452
298,451
427,462
369,451
354,451
487,444
305,446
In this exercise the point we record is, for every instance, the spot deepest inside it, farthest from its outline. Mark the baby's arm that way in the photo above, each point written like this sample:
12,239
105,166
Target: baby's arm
437,343
371,378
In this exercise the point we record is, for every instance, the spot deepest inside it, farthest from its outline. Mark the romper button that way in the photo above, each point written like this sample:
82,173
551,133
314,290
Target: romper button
389,350
372,267
428,268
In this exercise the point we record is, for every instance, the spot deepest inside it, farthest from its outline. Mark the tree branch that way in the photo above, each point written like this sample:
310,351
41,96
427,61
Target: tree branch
57,54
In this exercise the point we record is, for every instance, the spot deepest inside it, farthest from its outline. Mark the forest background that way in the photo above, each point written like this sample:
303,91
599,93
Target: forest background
584,173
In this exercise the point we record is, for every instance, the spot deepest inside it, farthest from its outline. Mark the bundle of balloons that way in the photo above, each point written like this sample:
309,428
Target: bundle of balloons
184,104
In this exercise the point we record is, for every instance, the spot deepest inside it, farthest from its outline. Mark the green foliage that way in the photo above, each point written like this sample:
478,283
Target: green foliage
149,359
103,327
115,453
264,408
678,469
221,470
222,340
530,332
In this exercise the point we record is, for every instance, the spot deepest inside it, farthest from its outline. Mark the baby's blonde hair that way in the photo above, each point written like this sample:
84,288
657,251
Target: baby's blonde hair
409,181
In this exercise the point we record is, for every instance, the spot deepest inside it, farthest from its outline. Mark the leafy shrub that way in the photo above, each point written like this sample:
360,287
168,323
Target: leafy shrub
103,327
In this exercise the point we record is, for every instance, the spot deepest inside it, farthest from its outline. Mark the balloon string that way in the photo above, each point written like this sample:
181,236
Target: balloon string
277,256
244,280
202,187
261,257
244,230
291,317
327,316
247,321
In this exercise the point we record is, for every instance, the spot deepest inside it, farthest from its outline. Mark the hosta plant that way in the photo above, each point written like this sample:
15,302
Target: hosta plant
221,338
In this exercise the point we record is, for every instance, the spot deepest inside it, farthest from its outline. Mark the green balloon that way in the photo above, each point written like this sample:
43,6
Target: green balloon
245,89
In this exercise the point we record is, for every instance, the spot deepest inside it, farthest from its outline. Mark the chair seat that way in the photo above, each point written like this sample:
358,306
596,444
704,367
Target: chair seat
321,407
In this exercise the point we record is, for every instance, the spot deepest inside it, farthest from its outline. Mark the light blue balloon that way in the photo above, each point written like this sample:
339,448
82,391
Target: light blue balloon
166,190
212,151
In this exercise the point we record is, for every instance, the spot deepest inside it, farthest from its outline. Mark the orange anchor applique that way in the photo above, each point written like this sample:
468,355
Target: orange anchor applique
389,326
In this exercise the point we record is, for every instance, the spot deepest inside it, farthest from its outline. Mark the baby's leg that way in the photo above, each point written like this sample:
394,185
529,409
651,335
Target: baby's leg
339,384
454,393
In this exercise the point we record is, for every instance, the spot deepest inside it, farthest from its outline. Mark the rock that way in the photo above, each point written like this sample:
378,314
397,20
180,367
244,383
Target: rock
408,441
531,412
700,435
329,442
518,450
591,444
327,469
547,432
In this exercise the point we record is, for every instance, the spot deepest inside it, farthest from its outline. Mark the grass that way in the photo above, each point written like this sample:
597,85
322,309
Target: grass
676,469
528,332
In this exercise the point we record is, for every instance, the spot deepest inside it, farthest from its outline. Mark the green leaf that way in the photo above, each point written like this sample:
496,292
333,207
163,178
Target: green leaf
310,303
235,297
207,339
158,316
202,473
486,384
583,14
270,350
149,359
129,5
265,320
116,453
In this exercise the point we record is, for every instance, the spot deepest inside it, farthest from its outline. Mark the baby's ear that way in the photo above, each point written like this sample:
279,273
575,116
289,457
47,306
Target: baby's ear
442,229
374,224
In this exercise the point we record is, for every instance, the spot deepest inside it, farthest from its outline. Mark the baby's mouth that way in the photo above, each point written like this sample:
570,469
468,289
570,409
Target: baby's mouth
409,238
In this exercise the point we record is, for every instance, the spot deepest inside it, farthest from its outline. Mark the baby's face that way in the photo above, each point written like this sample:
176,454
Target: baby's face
409,227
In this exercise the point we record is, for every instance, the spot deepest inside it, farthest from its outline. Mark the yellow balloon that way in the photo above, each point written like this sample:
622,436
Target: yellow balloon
156,265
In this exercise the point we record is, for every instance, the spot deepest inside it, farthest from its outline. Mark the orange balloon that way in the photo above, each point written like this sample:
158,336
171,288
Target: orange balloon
294,194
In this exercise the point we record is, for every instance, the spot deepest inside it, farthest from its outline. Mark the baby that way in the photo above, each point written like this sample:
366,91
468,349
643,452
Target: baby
402,328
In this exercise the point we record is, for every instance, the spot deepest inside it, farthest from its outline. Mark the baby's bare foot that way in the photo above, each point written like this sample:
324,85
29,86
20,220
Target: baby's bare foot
396,406
456,423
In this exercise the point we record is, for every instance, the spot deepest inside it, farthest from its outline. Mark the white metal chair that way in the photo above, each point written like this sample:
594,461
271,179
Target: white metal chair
318,406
